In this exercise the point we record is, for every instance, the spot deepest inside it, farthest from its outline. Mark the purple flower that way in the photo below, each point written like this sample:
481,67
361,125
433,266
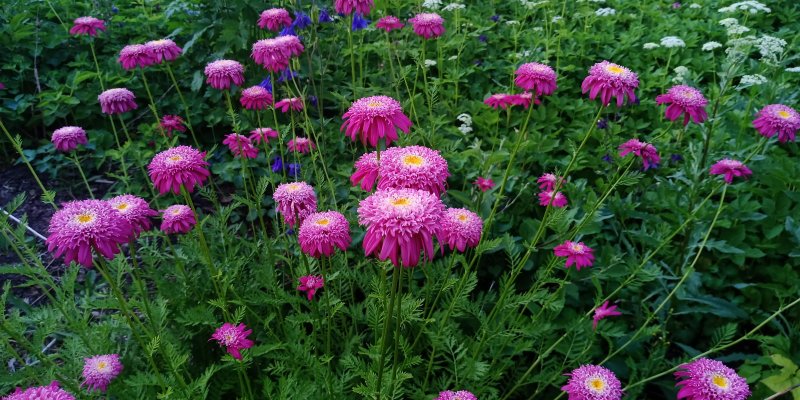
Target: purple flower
277,164
301,20
359,22
483,38
266,84
294,170
495,18
602,123
324,16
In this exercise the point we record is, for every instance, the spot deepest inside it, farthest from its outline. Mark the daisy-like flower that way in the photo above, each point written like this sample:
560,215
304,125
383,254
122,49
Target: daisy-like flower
502,100
780,119
558,199
483,184
347,7
413,167
295,201
233,338
592,382
375,118
82,226
177,219
49,392
163,50
548,181
135,210
274,19
182,165
87,26
576,252
646,151
262,134
256,98
240,146
170,123
389,23
524,99
68,138
459,395
537,78
610,80
428,25
366,171
322,233
459,228
221,74
272,54
99,371
685,100
117,101
707,379
602,312
301,145
135,55
310,284
730,168
294,104
400,224
291,44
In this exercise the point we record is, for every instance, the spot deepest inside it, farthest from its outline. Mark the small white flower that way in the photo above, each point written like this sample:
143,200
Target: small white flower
695,5
432,4
751,80
753,7
512,22
728,22
598,1
531,4
770,48
465,129
672,41
556,19
454,6
602,12
650,46
793,69
537,29
681,73
452,58
465,118
737,30
430,63
710,46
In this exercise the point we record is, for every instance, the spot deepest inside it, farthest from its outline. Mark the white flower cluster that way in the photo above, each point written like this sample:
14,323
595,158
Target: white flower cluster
603,12
770,48
466,123
672,41
454,6
532,4
711,46
430,63
650,46
556,19
751,80
793,69
512,22
739,48
432,4
695,5
733,27
753,7
681,73
597,1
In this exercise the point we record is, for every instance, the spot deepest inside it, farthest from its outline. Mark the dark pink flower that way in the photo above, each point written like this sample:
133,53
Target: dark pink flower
707,379
347,7
295,201
730,168
592,382
68,138
262,134
163,50
136,55
502,100
117,101
646,151
272,54
135,210
535,77
274,19
49,392
322,233
310,284
610,80
177,219
685,100
99,371
182,165
301,145
87,26
483,184
233,338
577,253
428,25
413,167
602,312
294,104
389,23
366,171
82,226
256,98
459,228
559,200
170,123
221,74
780,119
375,118
459,395
240,146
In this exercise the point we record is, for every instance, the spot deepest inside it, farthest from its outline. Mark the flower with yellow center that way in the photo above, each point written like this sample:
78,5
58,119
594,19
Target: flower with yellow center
615,69
413,160
323,222
784,114
720,381
84,218
596,384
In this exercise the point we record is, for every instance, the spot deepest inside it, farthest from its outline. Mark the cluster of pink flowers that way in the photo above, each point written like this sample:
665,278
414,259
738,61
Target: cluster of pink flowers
99,371
274,54
240,145
135,56
49,392
549,196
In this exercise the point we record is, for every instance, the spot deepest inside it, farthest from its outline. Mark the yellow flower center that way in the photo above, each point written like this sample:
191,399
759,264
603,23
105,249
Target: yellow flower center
784,114
174,158
597,384
84,218
413,160
615,69
577,248
176,211
122,206
293,187
102,366
374,104
323,222
720,381
402,201
462,217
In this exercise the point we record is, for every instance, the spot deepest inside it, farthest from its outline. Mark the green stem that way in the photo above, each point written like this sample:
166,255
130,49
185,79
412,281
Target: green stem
152,104
80,170
386,323
185,106
18,147
97,66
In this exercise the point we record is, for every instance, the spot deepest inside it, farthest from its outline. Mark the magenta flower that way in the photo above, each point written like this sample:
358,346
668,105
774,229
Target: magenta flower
685,100
459,395
170,123
240,146
428,25
366,171
322,233
182,165
347,7
459,228
163,50
82,226
310,284
221,74
524,99
49,392
301,145
262,134
274,19
780,119
537,78
592,382
177,219
272,54
233,338
389,23
577,253
707,379
135,210
68,138
375,118
646,151
99,371
558,199
502,100
400,224
602,312
291,44
87,26
730,168
135,55
294,104
413,167
117,101
295,201
483,184
547,182
256,98
610,80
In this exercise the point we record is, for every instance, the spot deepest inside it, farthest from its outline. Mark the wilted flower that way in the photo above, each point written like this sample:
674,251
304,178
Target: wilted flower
413,167
310,284
295,201
537,78
685,100
646,151
87,26
730,168
68,138
135,210
374,118
177,218
117,101
182,165
256,98
240,146
82,226
221,74
322,233
99,371
610,80
428,25
274,18
459,228
389,23
592,382
234,338
707,379
576,252
163,50
602,312
780,119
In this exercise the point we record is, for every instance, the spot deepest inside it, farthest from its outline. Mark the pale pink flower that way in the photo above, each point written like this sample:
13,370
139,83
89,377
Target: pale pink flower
294,104
99,371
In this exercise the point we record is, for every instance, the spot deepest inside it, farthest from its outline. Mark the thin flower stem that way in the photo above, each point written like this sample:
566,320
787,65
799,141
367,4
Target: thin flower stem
185,105
352,59
138,160
386,323
121,153
18,147
152,107
97,66
60,21
521,380
80,170
396,337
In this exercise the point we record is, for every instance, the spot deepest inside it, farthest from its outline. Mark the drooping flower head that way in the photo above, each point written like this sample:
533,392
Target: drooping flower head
240,145
182,165
610,80
602,312
272,54
163,50
256,98
310,284
730,168
274,19
49,392
68,138
221,74
170,123
459,228
262,134
684,100
135,55
366,171
85,225
295,201
428,25
117,101
375,118
400,224
548,181
502,100
780,119
301,145
293,103
135,210
233,338
556,199
537,78
592,382
389,23
413,167
459,395
576,252
322,233
99,371
707,379
347,7
646,151
87,26
177,219
483,184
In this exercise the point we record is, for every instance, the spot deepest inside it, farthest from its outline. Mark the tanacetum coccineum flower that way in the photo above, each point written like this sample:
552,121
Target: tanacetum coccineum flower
182,165
366,171
256,98
271,54
135,210
234,338
82,226
428,25
707,379
602,312
221,74
483,184
730,168
537,78
646,151
459,228
117,101
240,146
558,199
163,50
610,80
135,55
310,284
780,119
177,218
99,371
389,23
291,44
459,395
170,123
347,7
502,100
322,233
413,167
576,252
294,104
400,224
49,392
295,201
68,138
262,134
87,26
375,118
684,100
301,145
548,181
274,19
592,382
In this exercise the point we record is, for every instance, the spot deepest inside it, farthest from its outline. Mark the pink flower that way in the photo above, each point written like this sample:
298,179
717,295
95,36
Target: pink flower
322,233
177,219
310,284
221,74
459,228
483,184
413,167
301,145
87,26
366,171
163,50
117,101
290,44
271,54
592,382
182,165
685,100
428,25
459,395
524,99
780,119
602,312
501,100
577,253
559,200
346,7
135,55
234,338
49,392
547,182
375,118
82,226
535,77
240,146
295,201
262,134
294,103
646,151
256,98
170,123
400,224
68,138
730,168
274,19
610,80
389,23
135,210
99,371
707,379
